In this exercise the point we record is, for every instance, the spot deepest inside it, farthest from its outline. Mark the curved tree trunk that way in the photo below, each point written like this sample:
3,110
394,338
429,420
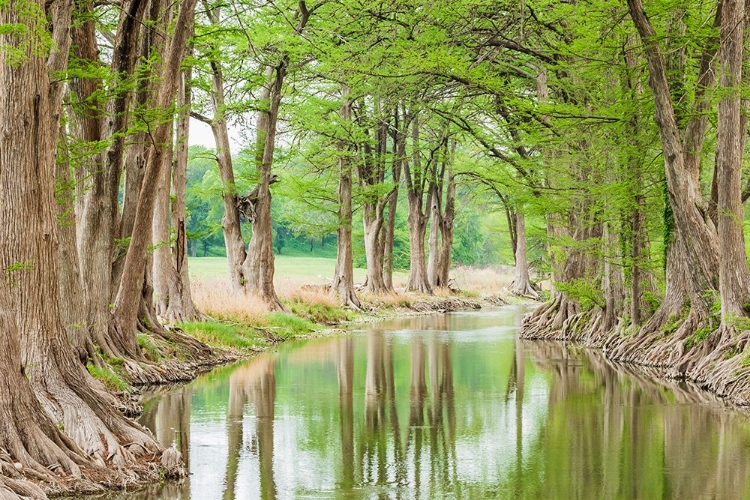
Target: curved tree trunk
96,202
696,242
128,299
230,222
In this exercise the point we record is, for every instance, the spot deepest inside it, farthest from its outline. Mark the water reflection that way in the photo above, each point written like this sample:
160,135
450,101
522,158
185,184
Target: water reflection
446,406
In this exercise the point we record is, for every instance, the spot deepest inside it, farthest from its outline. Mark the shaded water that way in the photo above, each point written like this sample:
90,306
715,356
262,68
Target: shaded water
452,406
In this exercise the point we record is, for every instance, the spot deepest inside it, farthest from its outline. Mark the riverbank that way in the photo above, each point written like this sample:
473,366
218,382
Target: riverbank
716,360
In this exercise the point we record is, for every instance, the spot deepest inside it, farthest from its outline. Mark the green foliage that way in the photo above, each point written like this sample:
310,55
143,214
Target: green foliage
588,294
26,34
699,336
673,323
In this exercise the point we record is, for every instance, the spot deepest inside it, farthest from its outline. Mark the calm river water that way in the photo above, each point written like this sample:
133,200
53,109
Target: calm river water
452,406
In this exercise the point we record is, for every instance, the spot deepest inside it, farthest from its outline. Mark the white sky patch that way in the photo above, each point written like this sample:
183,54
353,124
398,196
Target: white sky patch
201,135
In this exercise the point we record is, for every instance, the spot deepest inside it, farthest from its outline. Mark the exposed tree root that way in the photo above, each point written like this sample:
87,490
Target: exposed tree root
445,305
668,343
524,289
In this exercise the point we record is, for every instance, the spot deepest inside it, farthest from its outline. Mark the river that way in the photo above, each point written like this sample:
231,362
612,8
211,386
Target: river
445,406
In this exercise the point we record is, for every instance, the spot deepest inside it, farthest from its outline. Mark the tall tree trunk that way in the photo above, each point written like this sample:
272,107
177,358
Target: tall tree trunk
373,218
97,211
446,230
128,299
415,180
343,280
371,170
172,297
181,306
433,258
70,287
521,281
696,244
399,150
259,262
36,352
160,240
642,279
614,291
734,278
230,222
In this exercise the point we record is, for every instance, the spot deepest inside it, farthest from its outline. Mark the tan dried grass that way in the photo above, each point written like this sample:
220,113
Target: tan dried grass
483,280
214,298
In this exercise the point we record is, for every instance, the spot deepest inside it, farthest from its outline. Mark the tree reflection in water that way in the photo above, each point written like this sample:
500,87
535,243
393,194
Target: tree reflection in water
253,382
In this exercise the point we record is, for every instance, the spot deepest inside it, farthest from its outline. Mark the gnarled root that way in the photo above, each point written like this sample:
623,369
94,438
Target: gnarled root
715,363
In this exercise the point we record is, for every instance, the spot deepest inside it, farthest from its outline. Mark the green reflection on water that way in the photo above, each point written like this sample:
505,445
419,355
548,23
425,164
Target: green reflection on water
450,406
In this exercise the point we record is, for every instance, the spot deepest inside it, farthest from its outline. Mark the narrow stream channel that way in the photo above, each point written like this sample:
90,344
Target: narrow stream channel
452,406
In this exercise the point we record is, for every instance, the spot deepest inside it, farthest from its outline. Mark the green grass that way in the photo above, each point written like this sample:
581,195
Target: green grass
289,325
109,378
149,346
285,267
216,333
322,314
274,327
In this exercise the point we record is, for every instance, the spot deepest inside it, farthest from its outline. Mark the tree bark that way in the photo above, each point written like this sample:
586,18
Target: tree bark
230,222
160,240
399,151
258,266
415,187
70,287
446,242
435,201
371,173
129,294
522,281
96,199
734,278
695,239
181,306
343,280
373,219
35,348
